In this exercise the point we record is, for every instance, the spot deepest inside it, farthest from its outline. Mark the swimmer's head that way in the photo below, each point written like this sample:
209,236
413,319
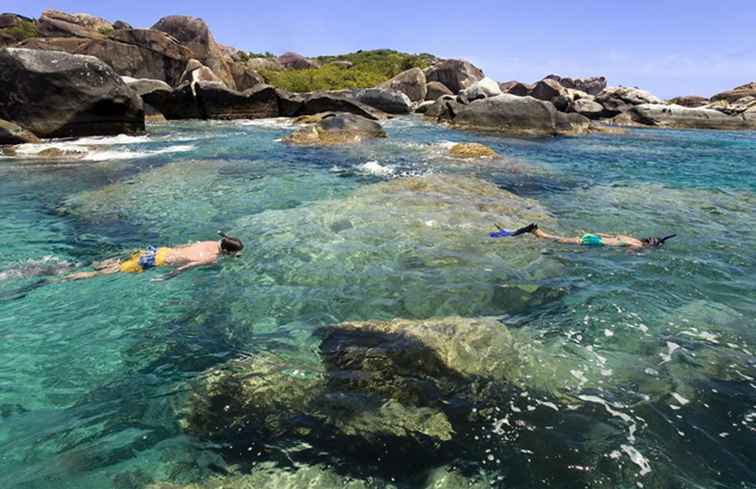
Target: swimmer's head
656,242
230,245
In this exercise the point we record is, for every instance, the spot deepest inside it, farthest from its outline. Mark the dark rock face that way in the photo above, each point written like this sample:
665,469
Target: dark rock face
516,88
510,114
54,94
120,25
385,99
456,74
436,90
296,105
591,85
412,83
194,34
691,101
10,133
138,53
295,61
174,104
747,90
547,89
218,102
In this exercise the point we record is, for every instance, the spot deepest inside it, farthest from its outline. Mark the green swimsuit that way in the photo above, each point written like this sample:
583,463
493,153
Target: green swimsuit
591,240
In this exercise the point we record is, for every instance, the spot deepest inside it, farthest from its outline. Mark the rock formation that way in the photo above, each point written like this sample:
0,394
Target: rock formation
456,74
411,82
333,129
591,85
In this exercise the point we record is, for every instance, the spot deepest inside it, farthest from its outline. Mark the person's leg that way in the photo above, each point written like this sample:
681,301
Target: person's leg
106,267
559,239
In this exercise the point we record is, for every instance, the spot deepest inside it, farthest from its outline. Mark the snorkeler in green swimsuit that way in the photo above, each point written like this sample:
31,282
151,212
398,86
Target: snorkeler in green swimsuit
599,239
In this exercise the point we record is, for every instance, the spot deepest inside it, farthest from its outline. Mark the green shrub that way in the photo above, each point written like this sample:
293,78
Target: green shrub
369,68
23,30
105,31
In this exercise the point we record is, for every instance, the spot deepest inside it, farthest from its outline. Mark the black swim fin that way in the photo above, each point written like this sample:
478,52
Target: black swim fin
527,229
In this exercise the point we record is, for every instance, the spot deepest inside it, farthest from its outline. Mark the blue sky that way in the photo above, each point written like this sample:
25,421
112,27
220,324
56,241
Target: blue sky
668,47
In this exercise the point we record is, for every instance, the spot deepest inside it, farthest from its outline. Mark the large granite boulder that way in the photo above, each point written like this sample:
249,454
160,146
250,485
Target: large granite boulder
139,53
456,74
516,88
435,90
510,114
617,100
174,104
411,82
11,133
294,105
385,99
194,34
336,128
744,105
53,23
295,61
263,64
747,90
145,85
588,107
481,89
591,85
691,101
679,117
54,94
548,89
197,72
245,77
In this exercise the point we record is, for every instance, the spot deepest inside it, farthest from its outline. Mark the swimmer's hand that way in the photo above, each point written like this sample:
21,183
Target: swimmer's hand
181,269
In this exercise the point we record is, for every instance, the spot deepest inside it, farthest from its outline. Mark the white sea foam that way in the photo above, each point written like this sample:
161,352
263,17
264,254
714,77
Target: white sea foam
113,154
637,459
76,150
110,140
375,168
47,265
270,123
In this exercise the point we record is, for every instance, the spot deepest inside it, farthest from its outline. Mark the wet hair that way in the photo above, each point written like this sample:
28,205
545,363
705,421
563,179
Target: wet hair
656,242
230,244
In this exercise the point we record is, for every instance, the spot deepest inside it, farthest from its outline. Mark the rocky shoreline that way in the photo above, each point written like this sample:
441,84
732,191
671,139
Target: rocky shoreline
75,75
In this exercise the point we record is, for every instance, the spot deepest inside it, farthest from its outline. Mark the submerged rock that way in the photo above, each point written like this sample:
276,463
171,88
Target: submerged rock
455,74
472,150
337,129
55,94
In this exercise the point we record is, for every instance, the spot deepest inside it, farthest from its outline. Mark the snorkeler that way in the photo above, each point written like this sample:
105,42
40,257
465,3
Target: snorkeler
589,239
182,257
600,239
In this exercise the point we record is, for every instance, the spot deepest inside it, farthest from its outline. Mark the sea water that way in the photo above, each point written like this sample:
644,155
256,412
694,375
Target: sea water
661,343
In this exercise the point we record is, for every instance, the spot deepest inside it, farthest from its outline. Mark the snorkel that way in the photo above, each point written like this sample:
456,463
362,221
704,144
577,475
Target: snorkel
230,245
656,242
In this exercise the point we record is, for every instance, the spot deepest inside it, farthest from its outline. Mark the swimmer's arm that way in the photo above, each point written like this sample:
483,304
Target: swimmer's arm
182,269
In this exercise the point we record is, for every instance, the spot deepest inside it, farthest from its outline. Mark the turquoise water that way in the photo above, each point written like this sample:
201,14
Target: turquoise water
655,350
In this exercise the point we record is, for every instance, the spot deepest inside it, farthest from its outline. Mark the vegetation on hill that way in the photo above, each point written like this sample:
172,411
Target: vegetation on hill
368,69
25,29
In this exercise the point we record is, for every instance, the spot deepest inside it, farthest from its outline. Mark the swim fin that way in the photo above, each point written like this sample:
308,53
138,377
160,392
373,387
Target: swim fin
503,233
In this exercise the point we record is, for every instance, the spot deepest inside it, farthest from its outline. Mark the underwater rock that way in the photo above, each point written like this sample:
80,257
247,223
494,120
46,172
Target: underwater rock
337,129
472,150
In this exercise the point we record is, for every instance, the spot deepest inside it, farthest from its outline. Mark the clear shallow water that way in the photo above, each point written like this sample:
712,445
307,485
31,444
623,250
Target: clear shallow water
654,351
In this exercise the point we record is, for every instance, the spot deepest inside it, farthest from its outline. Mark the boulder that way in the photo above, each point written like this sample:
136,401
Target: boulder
456,74
295,61
293,105
145,85
263,64
588,107
679,117
616,100
385,99
341,128
547,89
245,77
481,89
411,82
591,85
10,133
55,94
53,23
423,107
216,101
197,72
510,114
747,90
120,25
138,53
194,34
516,88
472,150
180,103
739,106
690,101
435,90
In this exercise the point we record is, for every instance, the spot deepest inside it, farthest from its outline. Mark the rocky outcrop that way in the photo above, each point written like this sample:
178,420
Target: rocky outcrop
591,85
293,105
510,114
53,23
617,100
481,89
245,77
547,90
679,117
263,64
692,101
295,61
740,106
333,129
588,107
145,85
436,90
197,72
412,83
471,150
138,53
456,74
11,133
15,28
54,94
385,99
178,103
216,101
516,88
747,90
194,34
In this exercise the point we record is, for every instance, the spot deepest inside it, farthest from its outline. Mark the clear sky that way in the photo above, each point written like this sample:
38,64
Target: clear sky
692,47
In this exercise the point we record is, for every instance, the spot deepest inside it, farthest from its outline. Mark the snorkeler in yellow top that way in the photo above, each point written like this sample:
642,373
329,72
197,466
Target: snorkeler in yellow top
182,257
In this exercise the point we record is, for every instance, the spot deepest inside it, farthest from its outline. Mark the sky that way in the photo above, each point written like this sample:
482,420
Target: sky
670,48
